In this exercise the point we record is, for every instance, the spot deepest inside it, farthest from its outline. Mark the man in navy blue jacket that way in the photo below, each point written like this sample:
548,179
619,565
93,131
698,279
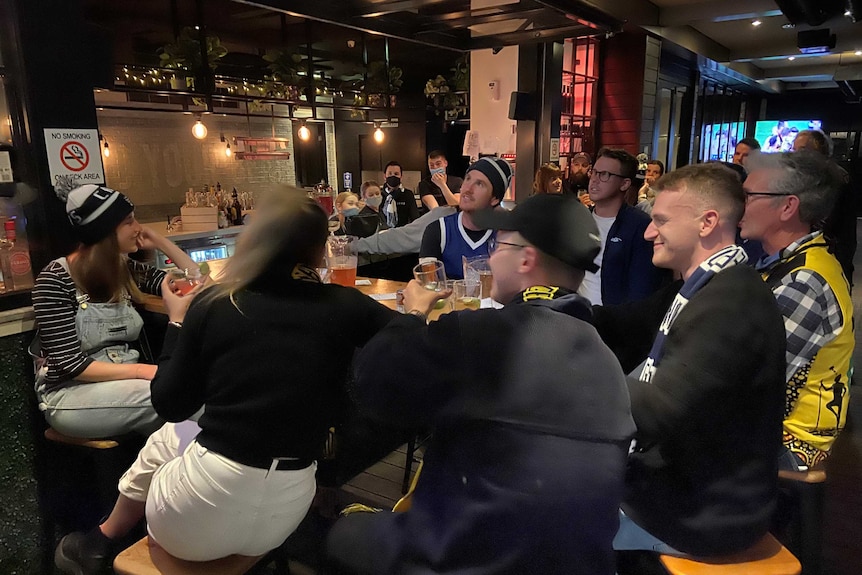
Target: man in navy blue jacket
627,273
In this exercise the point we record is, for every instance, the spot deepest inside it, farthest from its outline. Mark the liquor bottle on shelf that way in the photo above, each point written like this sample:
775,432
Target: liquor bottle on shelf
235,209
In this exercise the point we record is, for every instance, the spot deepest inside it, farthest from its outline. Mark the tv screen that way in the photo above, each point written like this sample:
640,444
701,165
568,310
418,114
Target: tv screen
719,141
778,135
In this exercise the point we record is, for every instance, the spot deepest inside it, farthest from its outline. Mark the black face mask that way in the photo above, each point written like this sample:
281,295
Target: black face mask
393,181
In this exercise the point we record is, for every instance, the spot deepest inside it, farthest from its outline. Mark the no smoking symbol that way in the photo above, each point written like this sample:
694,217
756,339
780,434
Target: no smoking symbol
74,156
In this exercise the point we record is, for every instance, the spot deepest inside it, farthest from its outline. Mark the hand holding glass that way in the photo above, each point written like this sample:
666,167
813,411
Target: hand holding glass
184,281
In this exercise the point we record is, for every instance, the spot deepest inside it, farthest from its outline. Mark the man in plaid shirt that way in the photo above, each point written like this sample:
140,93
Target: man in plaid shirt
788,195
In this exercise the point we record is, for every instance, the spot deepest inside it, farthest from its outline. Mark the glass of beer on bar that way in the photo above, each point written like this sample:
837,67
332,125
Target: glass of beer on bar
466,294
339,260
430,274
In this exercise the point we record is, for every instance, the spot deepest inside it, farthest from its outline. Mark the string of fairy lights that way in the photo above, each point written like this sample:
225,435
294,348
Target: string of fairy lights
160,78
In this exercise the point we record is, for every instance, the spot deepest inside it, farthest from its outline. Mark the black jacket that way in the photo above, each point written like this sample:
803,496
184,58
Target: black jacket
532,424
704,476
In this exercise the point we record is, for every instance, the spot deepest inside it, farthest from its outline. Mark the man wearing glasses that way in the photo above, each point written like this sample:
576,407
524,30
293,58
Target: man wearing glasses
525,470
789,194
627,273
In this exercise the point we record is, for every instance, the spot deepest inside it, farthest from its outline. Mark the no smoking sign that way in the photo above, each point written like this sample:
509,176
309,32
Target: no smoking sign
73,156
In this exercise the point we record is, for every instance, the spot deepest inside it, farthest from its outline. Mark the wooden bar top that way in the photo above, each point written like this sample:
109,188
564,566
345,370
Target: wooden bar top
378,286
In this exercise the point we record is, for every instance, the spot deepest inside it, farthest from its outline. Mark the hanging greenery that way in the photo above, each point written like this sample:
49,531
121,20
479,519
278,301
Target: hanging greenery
450,97
185,52
284,67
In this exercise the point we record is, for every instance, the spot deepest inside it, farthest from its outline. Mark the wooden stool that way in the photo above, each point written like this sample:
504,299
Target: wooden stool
52,434
767,557
147,558
808,492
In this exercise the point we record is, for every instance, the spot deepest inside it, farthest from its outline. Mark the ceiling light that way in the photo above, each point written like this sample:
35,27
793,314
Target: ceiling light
792,58
858,52
848,13
304,133
199,131
378,134
756,23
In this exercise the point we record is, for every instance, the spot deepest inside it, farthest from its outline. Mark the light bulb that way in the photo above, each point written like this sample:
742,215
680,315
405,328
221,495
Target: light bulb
199,131
227,151
106,151
304,133
378,135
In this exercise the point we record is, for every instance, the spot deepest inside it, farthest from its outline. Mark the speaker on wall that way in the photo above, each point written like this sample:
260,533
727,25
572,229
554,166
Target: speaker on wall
522,106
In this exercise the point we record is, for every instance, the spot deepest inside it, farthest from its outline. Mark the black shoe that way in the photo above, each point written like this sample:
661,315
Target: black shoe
85,553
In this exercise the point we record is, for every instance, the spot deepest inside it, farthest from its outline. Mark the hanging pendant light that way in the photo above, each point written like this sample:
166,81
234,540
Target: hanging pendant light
304,133
378,133
199,131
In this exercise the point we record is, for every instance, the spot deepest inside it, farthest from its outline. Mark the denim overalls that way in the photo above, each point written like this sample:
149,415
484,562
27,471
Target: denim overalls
104,408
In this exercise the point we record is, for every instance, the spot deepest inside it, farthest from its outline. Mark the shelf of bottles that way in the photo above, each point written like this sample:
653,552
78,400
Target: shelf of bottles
578,109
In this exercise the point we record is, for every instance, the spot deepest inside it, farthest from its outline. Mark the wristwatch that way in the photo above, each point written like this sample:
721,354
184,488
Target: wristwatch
418,314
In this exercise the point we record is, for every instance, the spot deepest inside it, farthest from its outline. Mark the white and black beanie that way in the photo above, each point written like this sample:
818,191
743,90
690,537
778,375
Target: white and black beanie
96,211
498,171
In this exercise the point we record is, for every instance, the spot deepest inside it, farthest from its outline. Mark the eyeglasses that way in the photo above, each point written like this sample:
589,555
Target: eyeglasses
748,195
494,243
603,176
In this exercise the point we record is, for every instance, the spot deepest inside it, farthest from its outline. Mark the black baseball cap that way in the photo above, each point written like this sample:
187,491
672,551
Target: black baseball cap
558,225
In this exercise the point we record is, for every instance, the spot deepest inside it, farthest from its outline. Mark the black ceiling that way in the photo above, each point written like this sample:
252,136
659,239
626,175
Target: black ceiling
423,37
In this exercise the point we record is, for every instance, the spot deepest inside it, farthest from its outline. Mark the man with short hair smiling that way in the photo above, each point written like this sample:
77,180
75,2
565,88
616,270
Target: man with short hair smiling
702,477
525,470
457,236
789,194
627,273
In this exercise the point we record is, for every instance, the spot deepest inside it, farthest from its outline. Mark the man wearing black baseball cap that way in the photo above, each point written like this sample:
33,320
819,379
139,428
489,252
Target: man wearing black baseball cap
524,472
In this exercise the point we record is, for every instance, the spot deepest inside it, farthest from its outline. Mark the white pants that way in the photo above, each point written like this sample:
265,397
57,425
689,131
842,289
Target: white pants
203,506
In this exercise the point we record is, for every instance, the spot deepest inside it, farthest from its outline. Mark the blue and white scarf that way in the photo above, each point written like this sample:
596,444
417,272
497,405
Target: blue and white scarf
721,260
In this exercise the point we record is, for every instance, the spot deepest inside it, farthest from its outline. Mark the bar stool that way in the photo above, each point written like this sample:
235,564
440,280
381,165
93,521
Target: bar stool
147,558
67,501
807,491
766,557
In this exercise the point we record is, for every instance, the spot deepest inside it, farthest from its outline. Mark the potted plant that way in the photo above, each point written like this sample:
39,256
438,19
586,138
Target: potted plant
185,54
380,83
450,97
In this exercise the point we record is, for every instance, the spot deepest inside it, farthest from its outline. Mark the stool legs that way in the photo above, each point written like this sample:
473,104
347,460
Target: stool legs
808,538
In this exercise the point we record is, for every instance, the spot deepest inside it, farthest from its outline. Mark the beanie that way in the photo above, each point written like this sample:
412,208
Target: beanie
498,171
96,211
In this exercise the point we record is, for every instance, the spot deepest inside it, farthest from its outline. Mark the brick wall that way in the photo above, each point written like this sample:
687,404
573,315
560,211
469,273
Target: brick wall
155,159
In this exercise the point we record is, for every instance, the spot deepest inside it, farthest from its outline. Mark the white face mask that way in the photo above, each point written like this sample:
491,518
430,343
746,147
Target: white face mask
374,201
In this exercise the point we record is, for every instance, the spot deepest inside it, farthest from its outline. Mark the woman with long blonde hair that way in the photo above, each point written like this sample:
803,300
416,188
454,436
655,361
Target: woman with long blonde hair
266,352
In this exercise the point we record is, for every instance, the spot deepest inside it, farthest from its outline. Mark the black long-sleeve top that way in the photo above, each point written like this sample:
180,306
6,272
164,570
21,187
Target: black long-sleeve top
269,370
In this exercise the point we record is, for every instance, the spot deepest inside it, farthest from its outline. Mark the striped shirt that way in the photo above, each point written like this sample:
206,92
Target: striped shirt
55,305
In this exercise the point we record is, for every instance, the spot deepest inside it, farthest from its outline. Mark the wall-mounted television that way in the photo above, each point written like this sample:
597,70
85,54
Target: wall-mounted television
778,135
719,141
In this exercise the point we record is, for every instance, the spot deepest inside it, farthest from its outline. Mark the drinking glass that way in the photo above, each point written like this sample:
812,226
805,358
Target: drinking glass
430,274
340,261
466,294
479,268
184,280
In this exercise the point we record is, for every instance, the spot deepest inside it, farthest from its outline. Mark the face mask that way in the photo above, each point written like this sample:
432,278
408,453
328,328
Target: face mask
393,181
374,201
349,212
438,171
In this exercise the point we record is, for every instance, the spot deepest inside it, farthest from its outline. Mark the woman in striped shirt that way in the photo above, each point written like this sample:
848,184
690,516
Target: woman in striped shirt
90,382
